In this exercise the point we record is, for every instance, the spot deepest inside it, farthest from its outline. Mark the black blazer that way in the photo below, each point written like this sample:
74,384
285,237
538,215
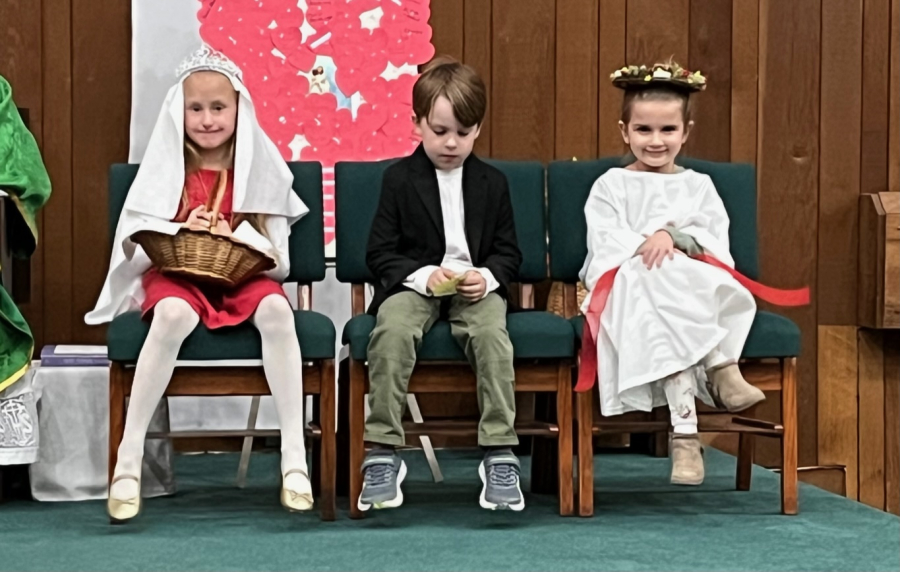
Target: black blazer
408,230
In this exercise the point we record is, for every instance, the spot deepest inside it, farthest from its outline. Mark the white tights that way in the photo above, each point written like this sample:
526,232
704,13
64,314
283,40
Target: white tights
173,321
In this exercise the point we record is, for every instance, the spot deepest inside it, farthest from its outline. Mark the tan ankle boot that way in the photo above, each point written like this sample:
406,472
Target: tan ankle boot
687,460
730,391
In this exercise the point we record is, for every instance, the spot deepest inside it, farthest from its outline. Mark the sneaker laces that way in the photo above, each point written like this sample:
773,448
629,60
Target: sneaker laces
379,474
503,475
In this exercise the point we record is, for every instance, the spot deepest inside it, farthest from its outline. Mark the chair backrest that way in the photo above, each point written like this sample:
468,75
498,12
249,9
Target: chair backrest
358,188
307,240
569,184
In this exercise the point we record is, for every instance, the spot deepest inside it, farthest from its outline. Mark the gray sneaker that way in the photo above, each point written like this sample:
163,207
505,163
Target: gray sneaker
499,472
383,471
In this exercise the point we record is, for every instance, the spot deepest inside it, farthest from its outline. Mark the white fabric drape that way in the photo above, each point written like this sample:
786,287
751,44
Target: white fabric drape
666,320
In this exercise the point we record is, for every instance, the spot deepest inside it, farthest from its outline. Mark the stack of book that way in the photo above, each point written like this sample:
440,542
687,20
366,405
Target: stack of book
74,356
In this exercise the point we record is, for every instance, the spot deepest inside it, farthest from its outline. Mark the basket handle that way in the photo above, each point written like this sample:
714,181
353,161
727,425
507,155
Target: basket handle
217,201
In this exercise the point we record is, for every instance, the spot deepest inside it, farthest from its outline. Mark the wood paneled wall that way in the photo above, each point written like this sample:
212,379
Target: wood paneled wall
859,411
69,63
807,90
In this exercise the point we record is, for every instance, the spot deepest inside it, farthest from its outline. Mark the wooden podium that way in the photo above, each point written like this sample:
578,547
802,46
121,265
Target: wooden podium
878,389
879,261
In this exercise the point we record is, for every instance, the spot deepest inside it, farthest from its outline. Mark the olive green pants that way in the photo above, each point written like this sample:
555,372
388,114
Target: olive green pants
478,327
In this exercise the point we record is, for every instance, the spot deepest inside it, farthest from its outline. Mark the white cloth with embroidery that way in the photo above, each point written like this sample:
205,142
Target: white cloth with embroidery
19,434
666,320
262,185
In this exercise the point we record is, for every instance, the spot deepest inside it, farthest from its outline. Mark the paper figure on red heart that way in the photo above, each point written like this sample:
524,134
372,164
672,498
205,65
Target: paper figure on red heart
331,79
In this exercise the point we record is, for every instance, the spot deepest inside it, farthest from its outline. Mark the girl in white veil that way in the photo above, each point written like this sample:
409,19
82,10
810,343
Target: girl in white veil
207,129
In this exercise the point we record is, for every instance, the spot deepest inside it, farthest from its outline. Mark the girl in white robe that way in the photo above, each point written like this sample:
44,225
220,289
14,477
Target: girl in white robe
673,327
207,128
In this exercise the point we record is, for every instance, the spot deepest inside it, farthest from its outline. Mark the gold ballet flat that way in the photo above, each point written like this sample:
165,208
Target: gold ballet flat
292,500
121,511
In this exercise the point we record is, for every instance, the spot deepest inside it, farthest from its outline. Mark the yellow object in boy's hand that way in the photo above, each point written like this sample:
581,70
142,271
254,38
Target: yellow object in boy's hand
447,288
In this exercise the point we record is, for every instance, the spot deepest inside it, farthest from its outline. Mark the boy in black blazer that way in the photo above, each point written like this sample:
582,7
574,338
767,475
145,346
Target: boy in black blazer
443,241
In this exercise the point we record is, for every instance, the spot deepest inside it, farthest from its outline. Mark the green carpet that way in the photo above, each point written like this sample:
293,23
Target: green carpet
641,523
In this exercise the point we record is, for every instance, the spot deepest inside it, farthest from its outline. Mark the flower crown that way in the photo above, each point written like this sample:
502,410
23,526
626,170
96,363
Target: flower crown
668,74
207,59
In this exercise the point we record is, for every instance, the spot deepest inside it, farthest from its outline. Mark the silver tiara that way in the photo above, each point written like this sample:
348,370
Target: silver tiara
207,59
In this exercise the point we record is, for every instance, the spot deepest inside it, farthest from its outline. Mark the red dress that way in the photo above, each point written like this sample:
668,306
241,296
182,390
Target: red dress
216,307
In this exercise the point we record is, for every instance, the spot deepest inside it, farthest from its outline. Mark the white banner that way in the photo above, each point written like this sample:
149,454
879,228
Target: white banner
163,32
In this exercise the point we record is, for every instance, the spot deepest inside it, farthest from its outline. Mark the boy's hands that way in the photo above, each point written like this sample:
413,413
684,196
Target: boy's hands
656,248
437,277
472,286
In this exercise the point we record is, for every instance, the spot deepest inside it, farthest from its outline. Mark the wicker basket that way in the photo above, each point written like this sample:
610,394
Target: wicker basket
555,298
202,256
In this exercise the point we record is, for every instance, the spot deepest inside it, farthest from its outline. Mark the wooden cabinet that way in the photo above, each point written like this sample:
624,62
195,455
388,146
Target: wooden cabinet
879,260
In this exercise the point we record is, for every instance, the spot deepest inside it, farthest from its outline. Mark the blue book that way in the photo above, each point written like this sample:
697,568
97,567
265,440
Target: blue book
74,356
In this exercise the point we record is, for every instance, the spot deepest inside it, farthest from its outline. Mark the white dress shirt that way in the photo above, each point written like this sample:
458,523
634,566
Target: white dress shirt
456,256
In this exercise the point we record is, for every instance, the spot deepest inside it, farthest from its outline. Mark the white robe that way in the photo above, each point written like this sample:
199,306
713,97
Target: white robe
662,321
262,185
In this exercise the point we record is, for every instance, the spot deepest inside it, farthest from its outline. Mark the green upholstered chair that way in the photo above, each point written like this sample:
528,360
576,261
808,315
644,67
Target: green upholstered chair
127,332
543,342
769,358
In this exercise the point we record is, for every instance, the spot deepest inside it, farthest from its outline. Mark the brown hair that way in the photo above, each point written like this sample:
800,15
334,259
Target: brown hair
656,93
459,83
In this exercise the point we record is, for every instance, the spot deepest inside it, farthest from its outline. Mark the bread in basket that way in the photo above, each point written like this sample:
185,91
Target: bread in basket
203,256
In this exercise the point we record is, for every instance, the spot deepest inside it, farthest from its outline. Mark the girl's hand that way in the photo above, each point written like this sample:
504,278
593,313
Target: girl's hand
198,219
222,228
657,248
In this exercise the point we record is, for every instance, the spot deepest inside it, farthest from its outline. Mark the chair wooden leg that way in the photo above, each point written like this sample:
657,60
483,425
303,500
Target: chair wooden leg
660,441
116,413
328,448
544,452
746,452
357,432
655,444
342,464
584,401
744,462
565,423
789,499
315,445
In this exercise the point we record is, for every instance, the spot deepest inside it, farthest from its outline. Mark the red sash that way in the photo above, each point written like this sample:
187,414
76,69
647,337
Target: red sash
587,373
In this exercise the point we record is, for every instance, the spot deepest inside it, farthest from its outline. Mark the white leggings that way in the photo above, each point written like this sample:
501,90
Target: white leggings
173,321
679,390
